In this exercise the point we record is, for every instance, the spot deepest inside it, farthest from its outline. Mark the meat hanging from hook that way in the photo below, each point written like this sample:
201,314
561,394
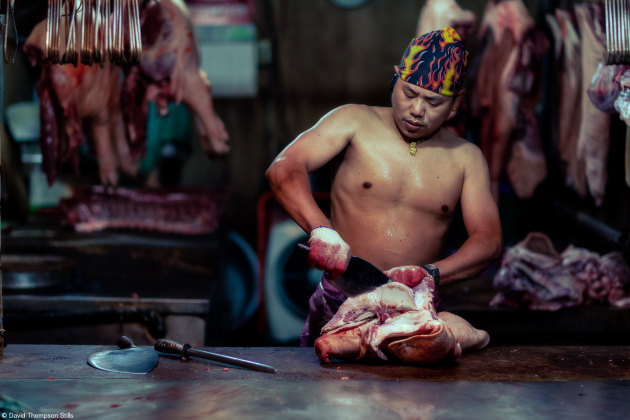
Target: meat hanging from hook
10,12
93,31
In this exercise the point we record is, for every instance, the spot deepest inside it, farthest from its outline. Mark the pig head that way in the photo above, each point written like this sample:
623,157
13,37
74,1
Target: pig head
399,323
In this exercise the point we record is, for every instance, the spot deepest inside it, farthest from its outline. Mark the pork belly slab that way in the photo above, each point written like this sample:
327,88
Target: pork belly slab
398,323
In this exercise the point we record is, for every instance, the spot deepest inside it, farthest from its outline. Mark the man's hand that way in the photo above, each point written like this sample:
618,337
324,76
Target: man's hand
328,252
409,275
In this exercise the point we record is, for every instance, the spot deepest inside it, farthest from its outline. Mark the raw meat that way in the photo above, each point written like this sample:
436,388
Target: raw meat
569,82
622,103
74,99
92,98
593,141
527,166
190,211
169,71
534,275
437,14
397,322
605,86
509,42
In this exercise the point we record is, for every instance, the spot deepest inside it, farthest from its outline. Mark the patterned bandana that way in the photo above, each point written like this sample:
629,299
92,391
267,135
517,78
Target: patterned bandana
436,61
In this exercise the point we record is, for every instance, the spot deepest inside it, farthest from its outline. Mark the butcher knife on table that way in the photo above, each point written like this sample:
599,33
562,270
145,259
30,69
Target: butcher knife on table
360,276
127,359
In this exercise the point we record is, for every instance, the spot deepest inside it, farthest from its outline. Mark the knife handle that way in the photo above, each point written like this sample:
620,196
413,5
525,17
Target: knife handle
172,347
125,342
186,350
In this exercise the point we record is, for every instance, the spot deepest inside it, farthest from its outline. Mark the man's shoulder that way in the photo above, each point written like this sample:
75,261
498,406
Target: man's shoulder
464,151
458,143
360,110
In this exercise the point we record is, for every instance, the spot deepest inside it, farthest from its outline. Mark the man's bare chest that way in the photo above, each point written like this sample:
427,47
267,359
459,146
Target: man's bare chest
427,182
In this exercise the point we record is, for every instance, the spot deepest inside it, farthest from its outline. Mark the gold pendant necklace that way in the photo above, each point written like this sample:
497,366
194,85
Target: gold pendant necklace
412,146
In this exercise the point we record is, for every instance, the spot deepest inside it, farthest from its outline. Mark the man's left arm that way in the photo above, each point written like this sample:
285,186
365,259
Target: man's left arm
481,219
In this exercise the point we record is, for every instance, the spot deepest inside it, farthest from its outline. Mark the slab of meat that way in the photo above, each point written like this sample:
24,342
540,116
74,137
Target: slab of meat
436,14
606,86
534,275
506,83
568,79
169,72
190,211
527,166
622,103
79,102
395,322
593,141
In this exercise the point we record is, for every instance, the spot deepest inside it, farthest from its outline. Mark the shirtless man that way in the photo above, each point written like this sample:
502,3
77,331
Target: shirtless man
397,186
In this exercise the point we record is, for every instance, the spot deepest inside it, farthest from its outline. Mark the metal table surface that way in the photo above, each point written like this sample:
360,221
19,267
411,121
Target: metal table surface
498,382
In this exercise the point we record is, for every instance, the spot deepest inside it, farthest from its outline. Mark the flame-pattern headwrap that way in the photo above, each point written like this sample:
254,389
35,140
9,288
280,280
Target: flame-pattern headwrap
436,61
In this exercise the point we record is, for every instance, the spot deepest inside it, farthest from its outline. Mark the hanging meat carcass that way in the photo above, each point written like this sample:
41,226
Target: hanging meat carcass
78,102
396,322
506,88
169,72
594,140
90,101
437,14
569,84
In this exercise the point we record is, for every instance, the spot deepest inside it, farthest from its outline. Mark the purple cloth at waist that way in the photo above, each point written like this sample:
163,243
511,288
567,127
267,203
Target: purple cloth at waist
323,305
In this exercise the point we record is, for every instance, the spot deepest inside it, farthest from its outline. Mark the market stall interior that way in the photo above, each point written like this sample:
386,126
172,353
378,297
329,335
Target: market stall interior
133,195
135,139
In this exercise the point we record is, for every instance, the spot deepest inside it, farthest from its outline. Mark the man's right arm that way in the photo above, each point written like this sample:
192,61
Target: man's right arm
290,185
288,173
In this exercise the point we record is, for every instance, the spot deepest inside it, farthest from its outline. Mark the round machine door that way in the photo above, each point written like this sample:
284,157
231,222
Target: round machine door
289,282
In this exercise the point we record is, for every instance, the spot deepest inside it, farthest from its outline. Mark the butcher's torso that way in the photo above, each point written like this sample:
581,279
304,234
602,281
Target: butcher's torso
391,207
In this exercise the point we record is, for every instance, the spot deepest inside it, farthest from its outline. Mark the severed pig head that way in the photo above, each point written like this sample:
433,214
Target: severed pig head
395,322
169,72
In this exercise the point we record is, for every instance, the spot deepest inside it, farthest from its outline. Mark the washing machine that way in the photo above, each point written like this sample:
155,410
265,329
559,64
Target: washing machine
289,282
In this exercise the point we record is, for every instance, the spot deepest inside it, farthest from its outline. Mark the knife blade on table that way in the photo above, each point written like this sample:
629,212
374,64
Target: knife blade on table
360,276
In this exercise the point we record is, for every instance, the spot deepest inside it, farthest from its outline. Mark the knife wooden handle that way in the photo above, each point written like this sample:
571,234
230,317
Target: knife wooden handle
172,347
186,350
125,342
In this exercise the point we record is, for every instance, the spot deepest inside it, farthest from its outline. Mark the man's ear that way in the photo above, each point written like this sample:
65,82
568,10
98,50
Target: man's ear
396,69
456,103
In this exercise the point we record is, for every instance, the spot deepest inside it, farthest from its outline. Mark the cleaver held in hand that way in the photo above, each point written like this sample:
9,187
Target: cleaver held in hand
360,276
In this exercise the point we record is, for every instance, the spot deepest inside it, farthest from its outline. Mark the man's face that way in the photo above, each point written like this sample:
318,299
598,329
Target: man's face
419,112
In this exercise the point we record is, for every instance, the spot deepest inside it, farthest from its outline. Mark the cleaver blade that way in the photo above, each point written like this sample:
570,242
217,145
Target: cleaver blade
360,276
127,359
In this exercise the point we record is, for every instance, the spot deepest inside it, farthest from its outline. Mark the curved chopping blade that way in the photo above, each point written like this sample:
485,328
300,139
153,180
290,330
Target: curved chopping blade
133,360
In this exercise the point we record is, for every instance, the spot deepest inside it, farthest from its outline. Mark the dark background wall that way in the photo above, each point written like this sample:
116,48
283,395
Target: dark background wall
319,56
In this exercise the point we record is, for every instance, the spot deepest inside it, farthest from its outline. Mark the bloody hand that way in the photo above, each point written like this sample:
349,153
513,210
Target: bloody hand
328,252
